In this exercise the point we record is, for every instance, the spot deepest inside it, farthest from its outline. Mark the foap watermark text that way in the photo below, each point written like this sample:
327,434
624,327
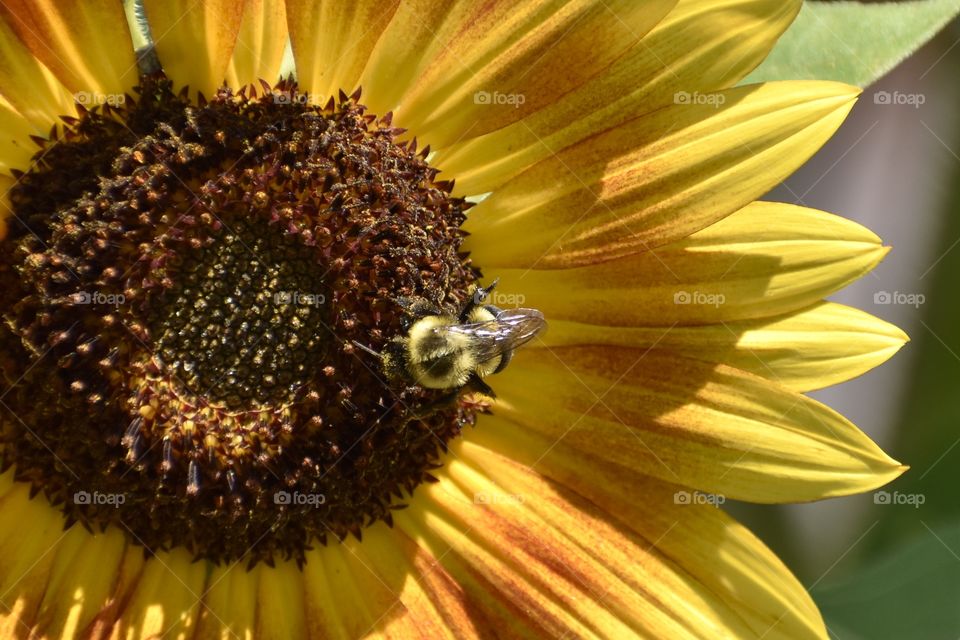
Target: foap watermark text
483,497
695,97
696,497
295,498
97,498
899,297
499,99
896,498
97,297
699,298
94,99
897,98
299,298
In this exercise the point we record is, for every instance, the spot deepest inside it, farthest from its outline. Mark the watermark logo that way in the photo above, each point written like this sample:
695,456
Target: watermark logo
499,298
482,497
290,97
896,98
699,297
696,497
912,499
707,99
97,297
296,498
93,99
298,298
899,297
497,98
96,498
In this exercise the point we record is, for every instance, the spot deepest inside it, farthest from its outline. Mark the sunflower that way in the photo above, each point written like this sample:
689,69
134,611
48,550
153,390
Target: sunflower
204,261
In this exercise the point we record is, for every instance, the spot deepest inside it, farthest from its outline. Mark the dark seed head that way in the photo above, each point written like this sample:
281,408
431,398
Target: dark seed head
182,288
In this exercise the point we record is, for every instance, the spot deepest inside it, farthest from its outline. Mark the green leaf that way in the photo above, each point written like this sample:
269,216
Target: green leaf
911,592
852,42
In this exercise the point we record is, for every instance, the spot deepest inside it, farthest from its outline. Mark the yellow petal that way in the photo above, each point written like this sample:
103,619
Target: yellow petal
699,46
525,565
260,43
195,40
764,260
358,608
85,43
409,593
6,183
128,575
229,604
7,484
26,562
816,347
166,599
488,608
332,41
384,586
16,147
410,38
324,617
29,86
81,582
557,557
689,422
658,178
280,603
503,60
701,539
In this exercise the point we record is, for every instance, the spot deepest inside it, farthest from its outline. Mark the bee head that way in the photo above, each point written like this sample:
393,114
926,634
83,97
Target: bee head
414,309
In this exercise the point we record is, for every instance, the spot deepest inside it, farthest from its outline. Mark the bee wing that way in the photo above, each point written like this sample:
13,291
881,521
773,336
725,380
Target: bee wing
509,330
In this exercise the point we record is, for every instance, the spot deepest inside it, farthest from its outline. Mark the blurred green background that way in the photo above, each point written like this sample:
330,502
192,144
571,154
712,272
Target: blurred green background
888,565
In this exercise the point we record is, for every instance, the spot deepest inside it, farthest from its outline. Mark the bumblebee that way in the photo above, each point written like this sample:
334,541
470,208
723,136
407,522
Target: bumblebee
445,351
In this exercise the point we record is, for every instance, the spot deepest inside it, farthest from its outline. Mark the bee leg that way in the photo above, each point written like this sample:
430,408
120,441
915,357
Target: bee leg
429,409
476,383
479,295
364,347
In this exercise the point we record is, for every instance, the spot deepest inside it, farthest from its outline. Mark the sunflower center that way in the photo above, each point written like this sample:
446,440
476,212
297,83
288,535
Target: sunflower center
244,324
183,288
